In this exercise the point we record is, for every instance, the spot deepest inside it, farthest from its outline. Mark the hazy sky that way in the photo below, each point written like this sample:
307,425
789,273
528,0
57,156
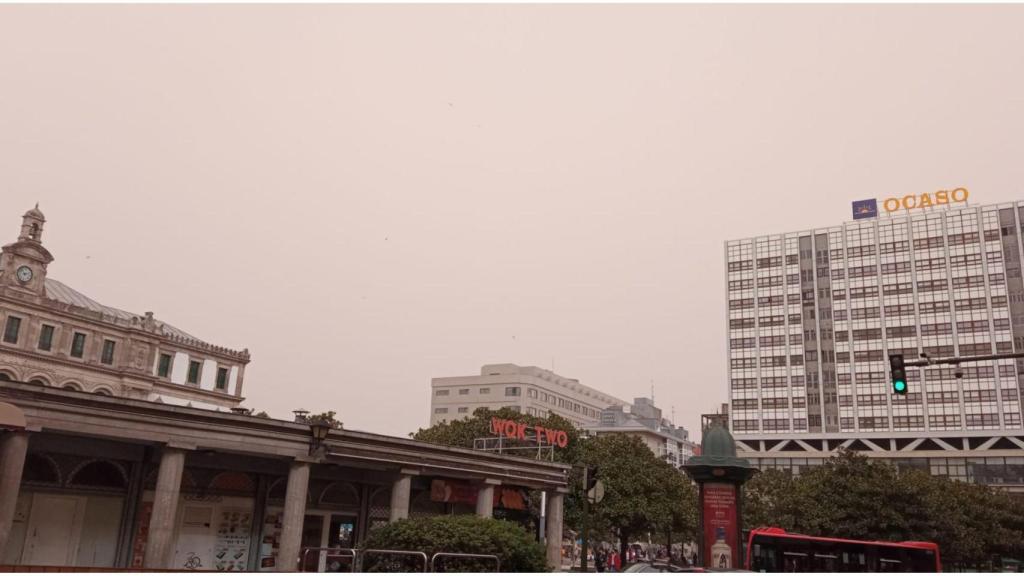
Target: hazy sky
369,196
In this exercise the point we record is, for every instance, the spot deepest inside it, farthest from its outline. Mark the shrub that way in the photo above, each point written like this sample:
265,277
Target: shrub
514,546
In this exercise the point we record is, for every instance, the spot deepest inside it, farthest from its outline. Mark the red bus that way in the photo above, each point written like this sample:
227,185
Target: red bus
775,550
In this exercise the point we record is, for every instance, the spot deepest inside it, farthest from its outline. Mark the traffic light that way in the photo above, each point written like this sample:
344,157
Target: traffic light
591,478
898,373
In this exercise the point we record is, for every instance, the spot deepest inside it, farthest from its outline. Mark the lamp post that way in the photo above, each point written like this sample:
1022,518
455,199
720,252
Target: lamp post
319,428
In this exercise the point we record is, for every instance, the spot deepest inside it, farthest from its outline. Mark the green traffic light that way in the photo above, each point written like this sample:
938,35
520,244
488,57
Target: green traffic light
899,386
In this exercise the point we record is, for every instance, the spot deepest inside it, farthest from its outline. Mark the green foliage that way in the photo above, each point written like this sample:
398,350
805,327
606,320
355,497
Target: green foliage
328,417
853,496
516,548
641,491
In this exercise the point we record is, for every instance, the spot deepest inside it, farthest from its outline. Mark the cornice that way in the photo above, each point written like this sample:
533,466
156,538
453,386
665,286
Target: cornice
151,382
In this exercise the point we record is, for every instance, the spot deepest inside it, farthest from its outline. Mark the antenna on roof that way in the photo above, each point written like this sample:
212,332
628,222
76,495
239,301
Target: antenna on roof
652,391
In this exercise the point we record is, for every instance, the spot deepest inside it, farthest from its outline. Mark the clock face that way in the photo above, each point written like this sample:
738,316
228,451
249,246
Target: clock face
24,274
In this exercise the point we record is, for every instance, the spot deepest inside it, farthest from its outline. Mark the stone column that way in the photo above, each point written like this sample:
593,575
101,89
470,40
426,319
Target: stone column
485,499
554,529
400,496
159,545
294,516
13,447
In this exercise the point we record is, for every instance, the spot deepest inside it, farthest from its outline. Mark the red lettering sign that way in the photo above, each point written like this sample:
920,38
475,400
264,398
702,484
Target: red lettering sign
562,439
518,431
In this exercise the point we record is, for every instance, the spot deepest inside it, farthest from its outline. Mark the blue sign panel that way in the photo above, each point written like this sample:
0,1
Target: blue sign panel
865,209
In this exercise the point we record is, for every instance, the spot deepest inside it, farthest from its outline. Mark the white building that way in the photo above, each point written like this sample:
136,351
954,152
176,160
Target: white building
813,315
527,389
644,420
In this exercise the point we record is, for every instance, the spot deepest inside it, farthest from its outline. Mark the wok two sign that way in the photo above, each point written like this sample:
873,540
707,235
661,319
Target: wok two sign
523,431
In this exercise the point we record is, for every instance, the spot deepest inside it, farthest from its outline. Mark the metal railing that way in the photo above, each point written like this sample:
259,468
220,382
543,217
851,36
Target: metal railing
433,559
348,553
357,558
362,554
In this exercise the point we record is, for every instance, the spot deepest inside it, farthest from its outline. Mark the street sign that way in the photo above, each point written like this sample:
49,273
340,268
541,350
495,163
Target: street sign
596,494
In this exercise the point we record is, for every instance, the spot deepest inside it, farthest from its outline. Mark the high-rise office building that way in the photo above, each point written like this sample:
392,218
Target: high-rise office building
813,316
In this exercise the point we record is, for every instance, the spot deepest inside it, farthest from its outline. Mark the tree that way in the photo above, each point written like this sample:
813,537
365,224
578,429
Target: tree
514,546
676,518
325,417
856,497
641,492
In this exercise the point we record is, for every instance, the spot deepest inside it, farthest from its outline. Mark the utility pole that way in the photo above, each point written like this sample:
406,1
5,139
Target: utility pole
586,527
590,483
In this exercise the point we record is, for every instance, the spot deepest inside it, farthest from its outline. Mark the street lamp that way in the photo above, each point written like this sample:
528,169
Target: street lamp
319,428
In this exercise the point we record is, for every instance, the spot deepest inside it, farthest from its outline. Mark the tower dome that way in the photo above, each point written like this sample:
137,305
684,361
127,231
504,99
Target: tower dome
35,213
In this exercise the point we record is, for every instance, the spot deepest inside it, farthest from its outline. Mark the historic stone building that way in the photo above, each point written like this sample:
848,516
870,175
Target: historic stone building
57,336
118,449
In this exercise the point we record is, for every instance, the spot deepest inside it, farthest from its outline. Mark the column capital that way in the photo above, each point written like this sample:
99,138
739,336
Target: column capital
491,482
409,472
179,445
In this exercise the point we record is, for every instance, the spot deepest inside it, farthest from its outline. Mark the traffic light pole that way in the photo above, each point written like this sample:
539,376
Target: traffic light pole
926,361
586,527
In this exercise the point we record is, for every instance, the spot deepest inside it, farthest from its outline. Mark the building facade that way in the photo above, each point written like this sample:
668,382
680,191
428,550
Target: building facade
56,336
90,480
812,317
526,389
122,445
644,420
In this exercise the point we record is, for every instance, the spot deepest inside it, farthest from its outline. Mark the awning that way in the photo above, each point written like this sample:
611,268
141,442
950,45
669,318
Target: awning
11,417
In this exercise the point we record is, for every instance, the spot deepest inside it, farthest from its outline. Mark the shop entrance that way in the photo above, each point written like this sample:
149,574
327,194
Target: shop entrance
327,530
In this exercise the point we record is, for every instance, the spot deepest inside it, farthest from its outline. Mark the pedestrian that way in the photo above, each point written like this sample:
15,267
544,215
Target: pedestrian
694,558
599,559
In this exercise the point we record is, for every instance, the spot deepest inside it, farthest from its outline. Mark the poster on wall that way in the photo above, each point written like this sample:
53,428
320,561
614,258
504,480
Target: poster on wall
141,535
270,541
231,549
721,551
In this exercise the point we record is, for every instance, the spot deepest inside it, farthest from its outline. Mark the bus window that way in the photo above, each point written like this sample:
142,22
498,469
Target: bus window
922,560
825,562
890,565
853,562
764,558
796,562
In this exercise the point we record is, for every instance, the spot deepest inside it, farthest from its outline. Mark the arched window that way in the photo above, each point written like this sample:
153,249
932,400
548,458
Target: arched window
41,470
71,387
278,489
236,482
99,474
5,377
39,382
340,494
102,391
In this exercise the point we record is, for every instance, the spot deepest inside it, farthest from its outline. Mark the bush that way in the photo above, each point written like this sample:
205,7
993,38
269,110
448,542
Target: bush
514,546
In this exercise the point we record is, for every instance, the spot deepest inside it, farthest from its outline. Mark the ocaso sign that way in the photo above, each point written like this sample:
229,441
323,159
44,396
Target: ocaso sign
522,431
925,200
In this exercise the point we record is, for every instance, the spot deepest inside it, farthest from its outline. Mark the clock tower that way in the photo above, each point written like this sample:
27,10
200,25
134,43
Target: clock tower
23,264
